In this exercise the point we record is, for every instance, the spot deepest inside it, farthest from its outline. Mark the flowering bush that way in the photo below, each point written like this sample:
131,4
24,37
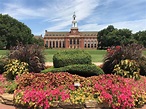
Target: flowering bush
47,81
40,98
2,84
114,90
6,86
117,53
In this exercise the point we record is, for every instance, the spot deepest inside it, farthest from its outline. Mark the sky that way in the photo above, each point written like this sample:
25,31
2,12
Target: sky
91,15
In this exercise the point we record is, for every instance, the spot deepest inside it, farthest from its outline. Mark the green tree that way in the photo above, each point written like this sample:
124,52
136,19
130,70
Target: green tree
3,42
103,37
140,37
38,41
111,36
14,31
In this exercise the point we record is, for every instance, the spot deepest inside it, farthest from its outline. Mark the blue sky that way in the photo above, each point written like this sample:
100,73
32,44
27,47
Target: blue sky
92,15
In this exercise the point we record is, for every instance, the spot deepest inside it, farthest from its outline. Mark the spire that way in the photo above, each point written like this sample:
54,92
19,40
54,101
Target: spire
74,22
74,16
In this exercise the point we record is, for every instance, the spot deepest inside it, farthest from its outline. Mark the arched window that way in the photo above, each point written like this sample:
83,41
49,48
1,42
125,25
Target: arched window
85,44
88,44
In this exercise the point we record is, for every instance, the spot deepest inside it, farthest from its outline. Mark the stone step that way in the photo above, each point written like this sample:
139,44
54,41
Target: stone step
6,99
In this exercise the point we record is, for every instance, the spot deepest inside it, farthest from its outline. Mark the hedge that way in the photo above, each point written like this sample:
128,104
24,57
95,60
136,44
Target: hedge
85,70
70,57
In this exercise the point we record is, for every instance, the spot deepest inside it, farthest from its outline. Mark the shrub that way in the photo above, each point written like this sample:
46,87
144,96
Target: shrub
3,62
118,53
46,81
113,90
127,68
142,64
6,86
11,87
70,57
84,70
14,68
39,99
31,54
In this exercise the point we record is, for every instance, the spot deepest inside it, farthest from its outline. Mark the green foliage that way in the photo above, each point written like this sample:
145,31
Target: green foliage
70,57
11,87
3,42
140,37
31,54
128,68
116,54
3,62
14,68
111,36
84,70
142,64
38,41
12,31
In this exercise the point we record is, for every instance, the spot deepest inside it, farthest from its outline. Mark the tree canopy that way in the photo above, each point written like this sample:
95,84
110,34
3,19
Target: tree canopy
13,32
111,36
140,37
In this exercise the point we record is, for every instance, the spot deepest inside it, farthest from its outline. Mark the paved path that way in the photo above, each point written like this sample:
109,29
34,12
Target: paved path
2,106
51,63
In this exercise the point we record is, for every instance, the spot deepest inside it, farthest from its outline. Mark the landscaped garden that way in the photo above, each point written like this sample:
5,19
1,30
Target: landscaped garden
74,81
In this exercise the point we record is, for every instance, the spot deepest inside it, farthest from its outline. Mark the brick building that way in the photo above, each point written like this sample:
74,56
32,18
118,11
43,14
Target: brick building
72,39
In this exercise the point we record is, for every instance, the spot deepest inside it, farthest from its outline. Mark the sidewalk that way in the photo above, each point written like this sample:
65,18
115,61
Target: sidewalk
3,106
51,63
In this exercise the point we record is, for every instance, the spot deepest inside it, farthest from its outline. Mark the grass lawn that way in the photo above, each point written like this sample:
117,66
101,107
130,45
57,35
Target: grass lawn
97,55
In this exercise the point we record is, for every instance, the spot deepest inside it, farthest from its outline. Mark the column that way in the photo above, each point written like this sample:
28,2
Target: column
51,43
48,44
72,43
76,44
58,43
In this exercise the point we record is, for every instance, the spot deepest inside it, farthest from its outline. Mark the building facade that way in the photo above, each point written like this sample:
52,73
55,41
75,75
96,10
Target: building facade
72,39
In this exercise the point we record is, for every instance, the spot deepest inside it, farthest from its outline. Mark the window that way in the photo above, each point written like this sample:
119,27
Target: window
74,41
77,41
63,44
60,44
53,44
56,44
70,41
85,45
94,45
50,44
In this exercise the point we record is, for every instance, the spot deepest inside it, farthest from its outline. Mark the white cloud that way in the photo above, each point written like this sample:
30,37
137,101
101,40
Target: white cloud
83,9
91,14
20,12
135,26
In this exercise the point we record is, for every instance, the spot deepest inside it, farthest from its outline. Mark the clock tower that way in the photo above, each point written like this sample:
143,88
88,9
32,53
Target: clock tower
74,28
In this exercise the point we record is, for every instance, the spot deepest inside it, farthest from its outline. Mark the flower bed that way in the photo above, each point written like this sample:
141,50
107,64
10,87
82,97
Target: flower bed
6,86
2,84
43,90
